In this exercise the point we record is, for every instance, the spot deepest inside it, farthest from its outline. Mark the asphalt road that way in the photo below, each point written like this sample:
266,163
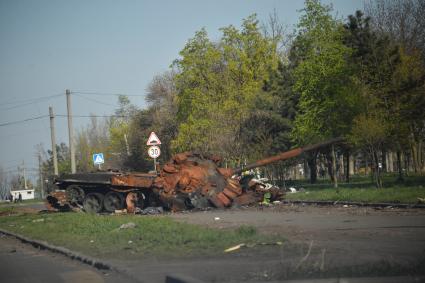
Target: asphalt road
23,263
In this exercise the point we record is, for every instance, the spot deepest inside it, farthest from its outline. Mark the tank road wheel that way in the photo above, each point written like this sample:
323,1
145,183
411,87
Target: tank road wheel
93,203
75,194
113,201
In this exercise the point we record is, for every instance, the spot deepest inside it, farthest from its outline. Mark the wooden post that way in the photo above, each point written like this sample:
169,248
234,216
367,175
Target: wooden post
53,138
70,131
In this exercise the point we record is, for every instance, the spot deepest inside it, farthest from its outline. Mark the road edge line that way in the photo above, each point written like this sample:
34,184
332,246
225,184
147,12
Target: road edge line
94,262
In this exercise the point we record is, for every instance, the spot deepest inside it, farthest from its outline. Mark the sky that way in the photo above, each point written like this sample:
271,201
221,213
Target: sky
98,49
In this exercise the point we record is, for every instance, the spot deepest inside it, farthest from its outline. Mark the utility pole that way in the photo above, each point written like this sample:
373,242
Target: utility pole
53,137
25,177
41,176
70,130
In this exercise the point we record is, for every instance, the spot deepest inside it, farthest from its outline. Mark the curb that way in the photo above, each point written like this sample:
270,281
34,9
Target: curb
94,262
324,203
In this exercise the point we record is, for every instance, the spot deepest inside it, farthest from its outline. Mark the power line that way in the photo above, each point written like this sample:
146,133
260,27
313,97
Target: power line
94,116
26,102
61,115
22,121
94,100
104,93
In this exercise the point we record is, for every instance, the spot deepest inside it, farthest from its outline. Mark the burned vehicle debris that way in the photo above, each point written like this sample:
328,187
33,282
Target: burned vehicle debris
188,181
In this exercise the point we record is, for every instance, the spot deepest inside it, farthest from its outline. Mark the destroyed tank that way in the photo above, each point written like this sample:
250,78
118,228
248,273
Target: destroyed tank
189,180
102,191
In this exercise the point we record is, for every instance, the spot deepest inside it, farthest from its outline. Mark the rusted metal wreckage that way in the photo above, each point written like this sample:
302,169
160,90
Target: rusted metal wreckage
189,180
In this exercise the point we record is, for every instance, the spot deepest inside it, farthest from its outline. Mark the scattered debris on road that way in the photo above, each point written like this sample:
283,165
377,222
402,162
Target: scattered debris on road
234,248
237,247
150,210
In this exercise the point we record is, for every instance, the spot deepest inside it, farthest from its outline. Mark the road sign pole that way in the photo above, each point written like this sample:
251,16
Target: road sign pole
154,151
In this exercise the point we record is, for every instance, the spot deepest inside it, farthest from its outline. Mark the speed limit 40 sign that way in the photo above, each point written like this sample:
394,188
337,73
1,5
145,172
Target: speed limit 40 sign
154,151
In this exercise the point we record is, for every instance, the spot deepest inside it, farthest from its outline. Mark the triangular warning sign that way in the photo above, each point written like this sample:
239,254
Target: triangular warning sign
153,139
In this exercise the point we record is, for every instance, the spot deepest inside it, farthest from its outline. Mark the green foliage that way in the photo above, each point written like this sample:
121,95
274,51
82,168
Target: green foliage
94,138
369,131
162,100
268,127
218,85
139,131
64,161
243,98
323,78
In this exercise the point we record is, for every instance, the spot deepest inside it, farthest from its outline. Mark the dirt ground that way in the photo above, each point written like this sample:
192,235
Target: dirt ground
334,241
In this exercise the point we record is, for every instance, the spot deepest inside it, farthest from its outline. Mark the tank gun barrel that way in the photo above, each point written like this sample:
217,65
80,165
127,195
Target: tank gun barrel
286,155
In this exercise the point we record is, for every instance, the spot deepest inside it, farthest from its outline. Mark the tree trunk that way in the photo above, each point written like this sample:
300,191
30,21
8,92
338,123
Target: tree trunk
312,164
413,153
341,168
400,170
295,171
329,166
352,162
384,161
406,159
366,169
306,168
334,168
377,170
347,161
390,162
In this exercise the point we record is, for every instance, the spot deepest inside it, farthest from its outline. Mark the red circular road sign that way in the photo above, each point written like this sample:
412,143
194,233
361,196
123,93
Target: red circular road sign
154,151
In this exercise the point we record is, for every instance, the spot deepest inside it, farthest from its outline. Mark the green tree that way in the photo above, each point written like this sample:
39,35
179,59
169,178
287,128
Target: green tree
323,78
64,161
267,129
162,101
93,138
407,103
376,58
218,85
369,133
119,131
139,130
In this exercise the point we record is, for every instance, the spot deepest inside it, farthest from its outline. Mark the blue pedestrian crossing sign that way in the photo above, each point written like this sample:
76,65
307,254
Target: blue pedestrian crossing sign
98,158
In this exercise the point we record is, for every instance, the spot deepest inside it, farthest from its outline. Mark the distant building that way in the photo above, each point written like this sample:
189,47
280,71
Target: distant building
26,194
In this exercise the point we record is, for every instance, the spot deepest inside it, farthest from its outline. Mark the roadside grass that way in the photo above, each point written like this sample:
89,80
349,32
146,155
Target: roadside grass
24,202
100,236
361,189
389,195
